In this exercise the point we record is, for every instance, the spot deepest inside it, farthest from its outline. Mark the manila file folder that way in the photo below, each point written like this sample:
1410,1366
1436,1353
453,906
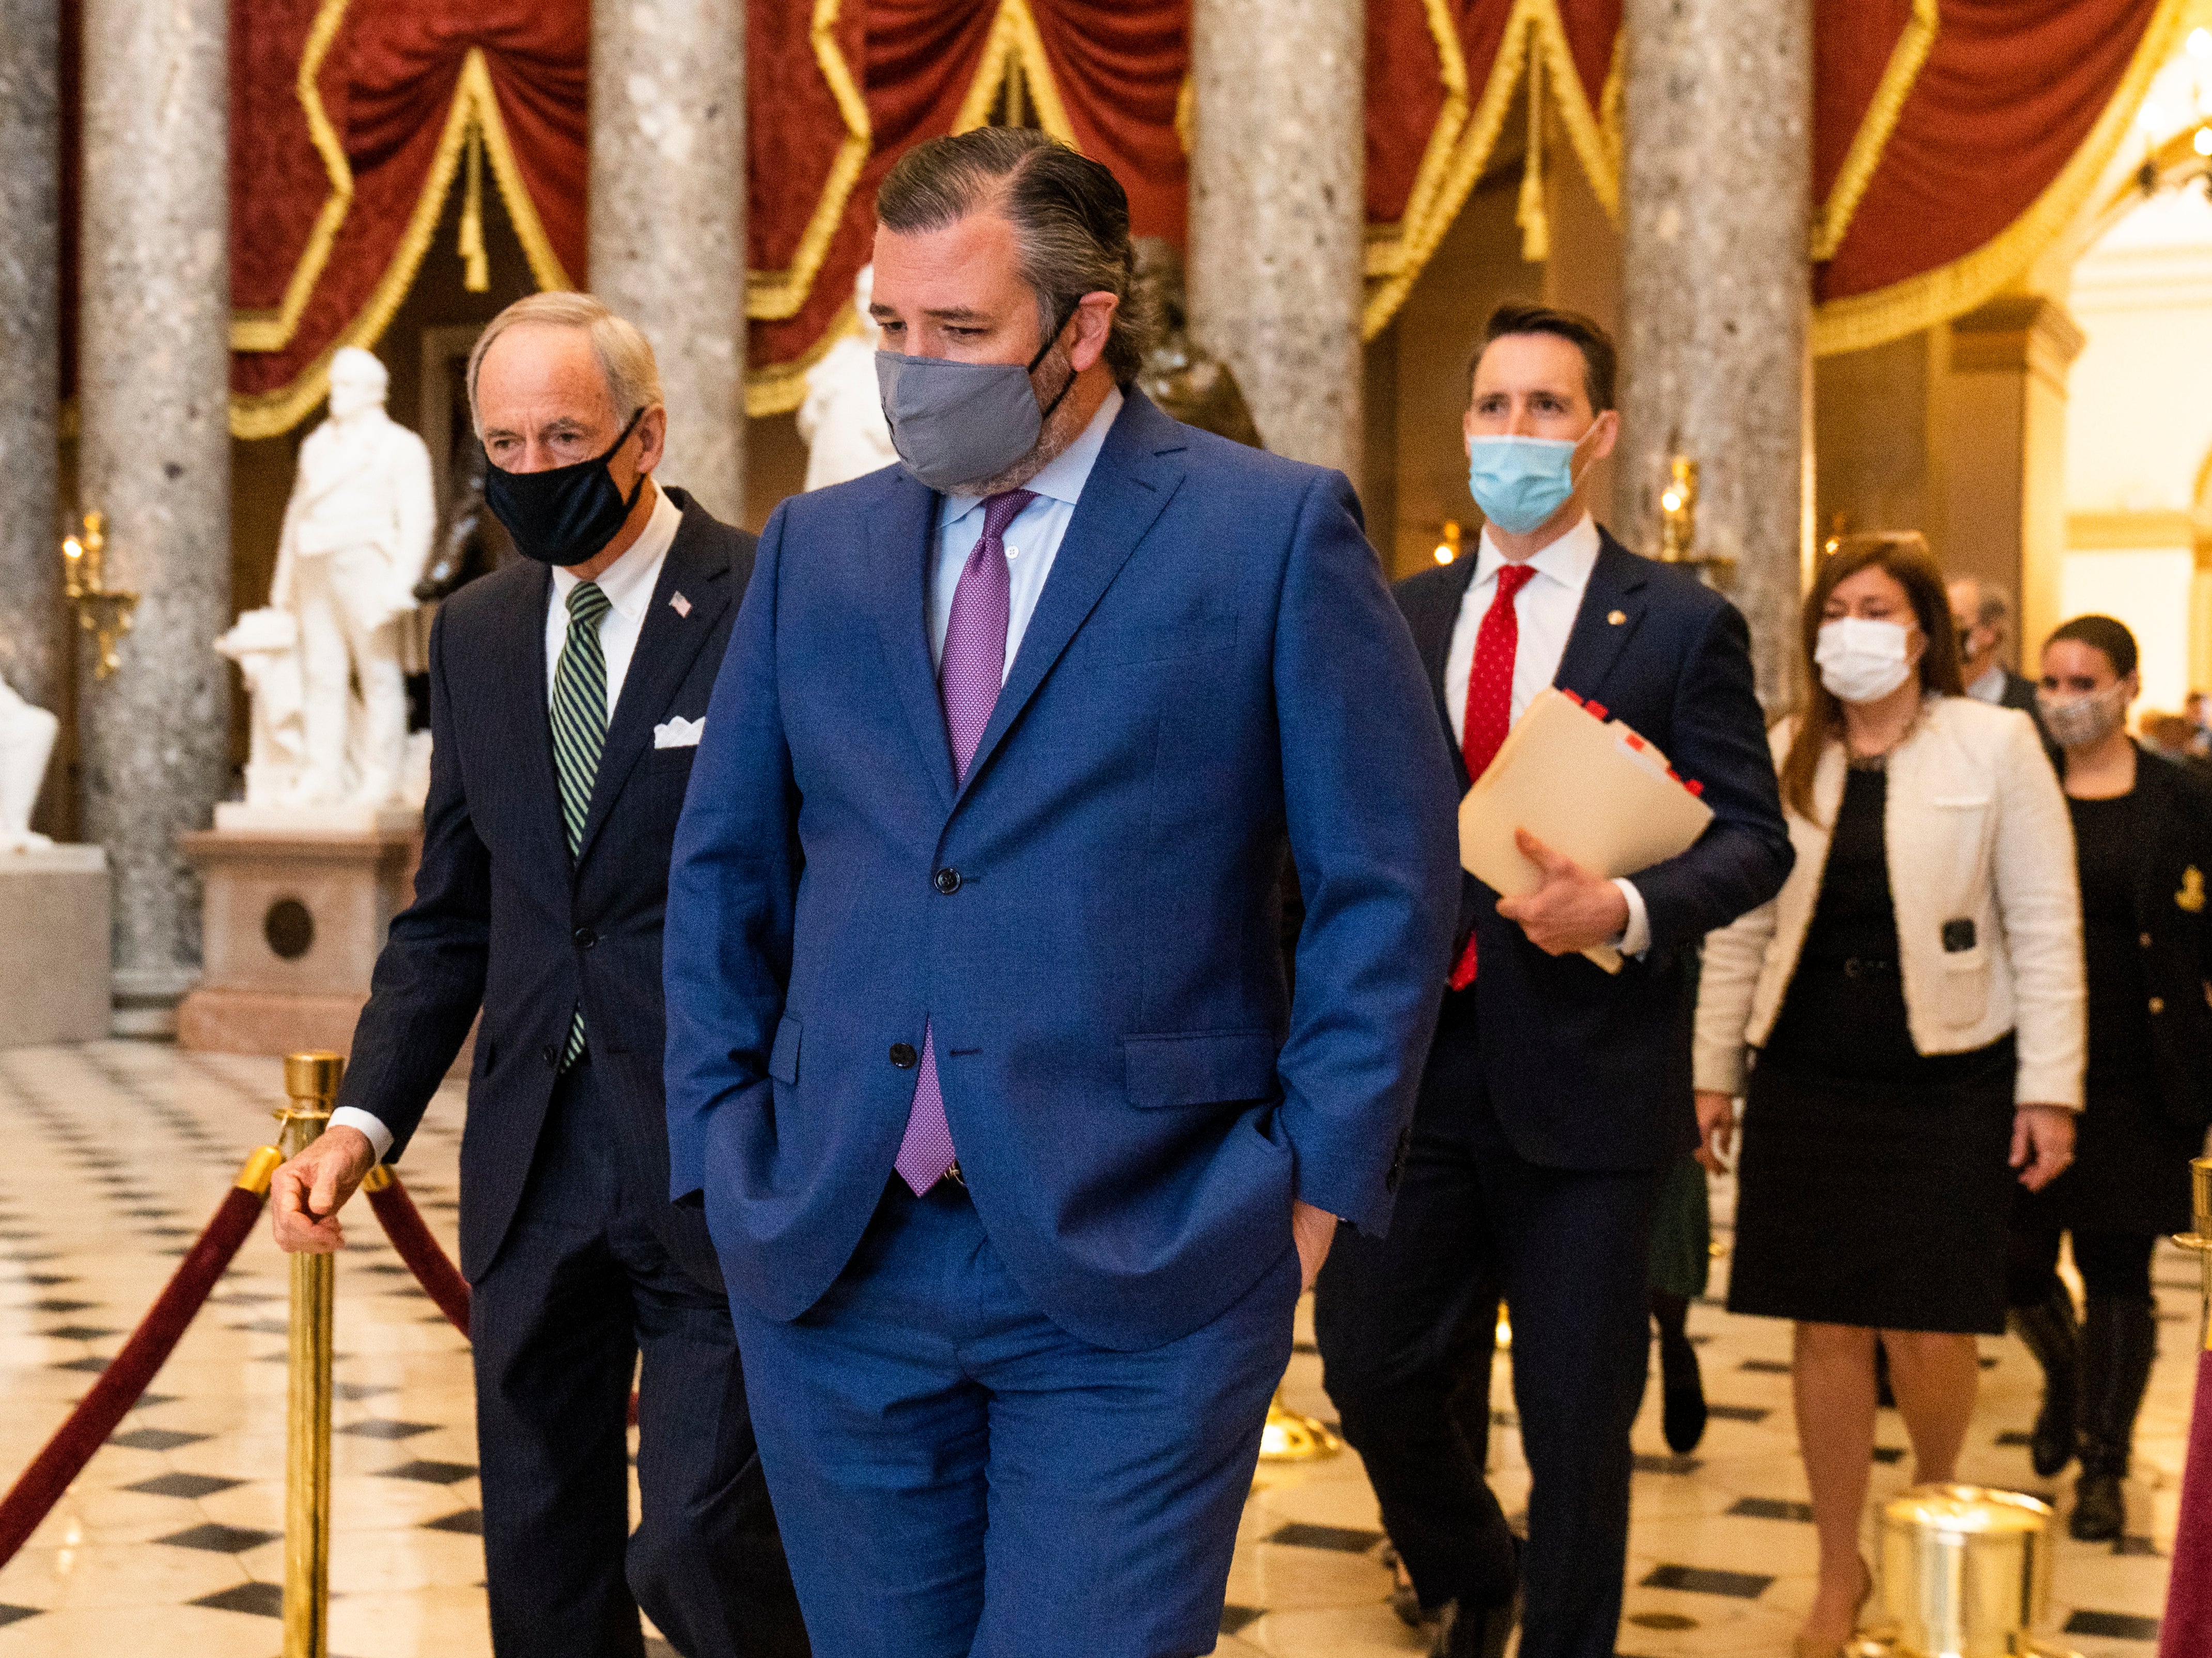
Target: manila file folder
1584,785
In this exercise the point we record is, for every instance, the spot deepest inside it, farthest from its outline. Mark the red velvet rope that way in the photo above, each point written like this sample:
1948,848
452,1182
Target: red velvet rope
425,1256
411,1236
35,1494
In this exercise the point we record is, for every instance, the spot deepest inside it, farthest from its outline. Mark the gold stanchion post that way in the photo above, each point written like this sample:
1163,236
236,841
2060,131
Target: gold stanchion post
2200,1177
311,1085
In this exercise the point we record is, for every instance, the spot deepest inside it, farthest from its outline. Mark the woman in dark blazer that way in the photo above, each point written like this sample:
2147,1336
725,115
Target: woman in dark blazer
2142,831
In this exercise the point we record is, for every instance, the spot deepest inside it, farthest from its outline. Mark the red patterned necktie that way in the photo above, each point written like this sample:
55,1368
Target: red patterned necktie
1490,702
970,671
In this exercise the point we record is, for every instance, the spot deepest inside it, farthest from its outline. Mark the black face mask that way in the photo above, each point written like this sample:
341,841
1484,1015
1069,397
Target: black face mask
564,515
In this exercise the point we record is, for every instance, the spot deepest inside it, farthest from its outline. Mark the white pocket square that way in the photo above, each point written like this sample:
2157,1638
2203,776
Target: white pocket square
679,733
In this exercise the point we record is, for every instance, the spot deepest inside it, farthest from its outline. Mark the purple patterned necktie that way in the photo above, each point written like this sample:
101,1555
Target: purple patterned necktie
969,673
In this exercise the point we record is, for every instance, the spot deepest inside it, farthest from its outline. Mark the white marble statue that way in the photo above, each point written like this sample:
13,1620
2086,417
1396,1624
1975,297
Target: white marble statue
266,644
27,742
842,418
356,536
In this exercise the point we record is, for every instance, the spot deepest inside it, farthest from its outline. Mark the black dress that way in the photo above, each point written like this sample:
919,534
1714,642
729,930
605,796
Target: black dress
2131,1169
1873,1188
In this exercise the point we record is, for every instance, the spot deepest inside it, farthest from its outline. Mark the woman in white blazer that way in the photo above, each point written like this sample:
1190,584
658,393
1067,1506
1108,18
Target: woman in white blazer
1904,1021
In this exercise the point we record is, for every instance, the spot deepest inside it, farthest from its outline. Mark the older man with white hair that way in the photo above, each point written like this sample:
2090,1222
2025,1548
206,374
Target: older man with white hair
568,693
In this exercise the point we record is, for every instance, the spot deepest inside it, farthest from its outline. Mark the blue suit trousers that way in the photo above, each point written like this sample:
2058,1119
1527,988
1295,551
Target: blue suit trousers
958,1476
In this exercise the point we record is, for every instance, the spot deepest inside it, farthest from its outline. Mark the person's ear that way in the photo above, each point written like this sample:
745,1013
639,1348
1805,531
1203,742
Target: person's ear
1090,329
1604,433
652,440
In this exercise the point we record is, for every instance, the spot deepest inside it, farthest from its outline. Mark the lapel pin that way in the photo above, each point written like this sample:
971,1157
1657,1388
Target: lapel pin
680,604
1617,618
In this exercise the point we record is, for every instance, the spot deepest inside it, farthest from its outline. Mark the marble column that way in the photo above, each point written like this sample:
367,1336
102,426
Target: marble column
668,218
1717,194
30,347
1279,214
154,457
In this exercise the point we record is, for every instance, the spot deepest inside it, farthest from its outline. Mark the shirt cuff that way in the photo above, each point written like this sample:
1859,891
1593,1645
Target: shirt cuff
1635,938
380,1137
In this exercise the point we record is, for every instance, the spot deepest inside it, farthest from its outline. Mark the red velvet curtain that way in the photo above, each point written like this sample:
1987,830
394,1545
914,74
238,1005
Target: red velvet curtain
386,87
2007,96
2008,93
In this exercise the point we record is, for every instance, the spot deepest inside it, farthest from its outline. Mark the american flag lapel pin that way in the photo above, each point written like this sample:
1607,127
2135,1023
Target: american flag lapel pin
680,604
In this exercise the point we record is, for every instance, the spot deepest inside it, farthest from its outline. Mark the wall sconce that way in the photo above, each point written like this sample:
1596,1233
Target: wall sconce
1678,519
1448,546
102,611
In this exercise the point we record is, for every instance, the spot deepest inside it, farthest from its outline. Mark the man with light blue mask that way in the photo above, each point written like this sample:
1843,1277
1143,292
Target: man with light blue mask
1015,1143
1557,1097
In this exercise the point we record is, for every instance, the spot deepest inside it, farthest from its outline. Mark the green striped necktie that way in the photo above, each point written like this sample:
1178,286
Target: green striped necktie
580,731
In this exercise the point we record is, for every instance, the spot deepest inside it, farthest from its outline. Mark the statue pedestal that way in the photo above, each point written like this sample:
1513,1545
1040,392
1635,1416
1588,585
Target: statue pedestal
55,945
293,920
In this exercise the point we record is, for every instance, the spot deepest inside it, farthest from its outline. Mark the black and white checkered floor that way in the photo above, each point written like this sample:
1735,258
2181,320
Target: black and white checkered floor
169,1545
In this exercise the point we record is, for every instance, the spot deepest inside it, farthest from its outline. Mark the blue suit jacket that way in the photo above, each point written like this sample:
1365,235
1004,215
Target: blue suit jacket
1215,668
1586,1069
505,920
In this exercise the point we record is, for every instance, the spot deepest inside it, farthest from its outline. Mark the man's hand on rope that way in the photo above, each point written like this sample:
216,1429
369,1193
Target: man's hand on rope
307,1193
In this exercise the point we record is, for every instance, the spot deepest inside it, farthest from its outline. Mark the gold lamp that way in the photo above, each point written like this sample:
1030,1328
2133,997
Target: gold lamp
102,611
1678,519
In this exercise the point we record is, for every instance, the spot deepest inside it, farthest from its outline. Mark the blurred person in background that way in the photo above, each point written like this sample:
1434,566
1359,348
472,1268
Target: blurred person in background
2143,836
1910,1010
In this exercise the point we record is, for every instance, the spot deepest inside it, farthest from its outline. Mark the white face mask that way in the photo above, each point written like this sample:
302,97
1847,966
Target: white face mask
1863,661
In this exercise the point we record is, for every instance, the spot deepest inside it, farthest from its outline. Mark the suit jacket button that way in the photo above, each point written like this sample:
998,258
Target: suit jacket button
2158,1004
903,1056
586,937
946,881
552,1054
2144,940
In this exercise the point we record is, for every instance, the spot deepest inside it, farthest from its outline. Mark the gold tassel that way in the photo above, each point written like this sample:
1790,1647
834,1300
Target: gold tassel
476,274
1529,214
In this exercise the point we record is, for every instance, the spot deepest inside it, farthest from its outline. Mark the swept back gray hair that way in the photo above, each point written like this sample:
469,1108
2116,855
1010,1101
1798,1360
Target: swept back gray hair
1070,217
625,355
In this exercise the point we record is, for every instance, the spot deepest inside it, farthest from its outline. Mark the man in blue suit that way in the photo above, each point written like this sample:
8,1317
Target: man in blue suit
1556,1096
1015,1146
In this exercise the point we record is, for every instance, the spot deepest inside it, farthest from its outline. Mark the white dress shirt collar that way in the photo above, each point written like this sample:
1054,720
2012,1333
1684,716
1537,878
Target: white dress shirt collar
1568,560
629,581
1063,477
1990,687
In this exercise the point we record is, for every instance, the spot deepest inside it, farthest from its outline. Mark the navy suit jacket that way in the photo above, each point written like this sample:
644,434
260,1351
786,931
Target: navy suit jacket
1586,1069
505,918
1092,923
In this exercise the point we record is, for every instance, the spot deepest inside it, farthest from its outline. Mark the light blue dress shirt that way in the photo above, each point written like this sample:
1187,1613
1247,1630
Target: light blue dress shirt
1032,539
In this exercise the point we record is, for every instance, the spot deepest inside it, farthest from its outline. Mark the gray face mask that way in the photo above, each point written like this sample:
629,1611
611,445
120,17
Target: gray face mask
958,423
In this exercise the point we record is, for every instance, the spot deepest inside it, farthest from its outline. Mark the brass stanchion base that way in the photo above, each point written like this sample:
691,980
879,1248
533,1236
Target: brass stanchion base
1290,1437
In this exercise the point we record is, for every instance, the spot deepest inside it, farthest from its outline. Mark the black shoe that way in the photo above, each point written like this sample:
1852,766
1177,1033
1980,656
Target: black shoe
1682,1402
1477,1632
2119,1339
2052,1335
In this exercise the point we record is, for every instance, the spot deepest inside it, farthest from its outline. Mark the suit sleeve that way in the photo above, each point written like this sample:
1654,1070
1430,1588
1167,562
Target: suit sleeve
732,890
1368,799
429,977
1720,740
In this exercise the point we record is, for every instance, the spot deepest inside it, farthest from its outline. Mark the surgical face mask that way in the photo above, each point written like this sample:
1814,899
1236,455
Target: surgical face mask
1863,661
1519,482
566,514
959,423
2084,721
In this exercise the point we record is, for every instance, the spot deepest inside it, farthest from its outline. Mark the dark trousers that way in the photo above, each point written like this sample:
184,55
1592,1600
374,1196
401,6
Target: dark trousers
578,1289
960,1477
1568,1251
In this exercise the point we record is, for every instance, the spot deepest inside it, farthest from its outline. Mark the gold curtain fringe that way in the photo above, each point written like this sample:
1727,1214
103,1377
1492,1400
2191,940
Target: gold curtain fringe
272,331
1899,77
476,264
1863,320
1529,212
774,295
474,109
1015,48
